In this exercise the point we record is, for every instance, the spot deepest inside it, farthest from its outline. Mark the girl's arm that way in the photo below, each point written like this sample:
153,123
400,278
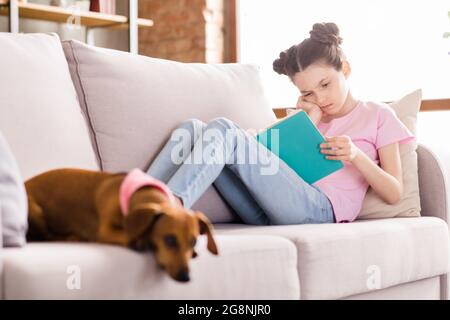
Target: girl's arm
385,179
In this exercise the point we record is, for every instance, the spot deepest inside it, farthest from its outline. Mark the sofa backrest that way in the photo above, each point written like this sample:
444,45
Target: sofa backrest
39,112
132,103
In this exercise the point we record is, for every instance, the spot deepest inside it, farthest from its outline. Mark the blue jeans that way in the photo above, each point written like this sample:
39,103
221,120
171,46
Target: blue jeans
278,198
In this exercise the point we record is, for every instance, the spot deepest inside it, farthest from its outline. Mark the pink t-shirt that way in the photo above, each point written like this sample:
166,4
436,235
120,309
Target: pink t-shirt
371,126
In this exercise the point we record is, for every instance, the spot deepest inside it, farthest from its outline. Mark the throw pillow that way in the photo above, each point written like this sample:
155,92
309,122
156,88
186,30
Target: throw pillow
13,199
39,113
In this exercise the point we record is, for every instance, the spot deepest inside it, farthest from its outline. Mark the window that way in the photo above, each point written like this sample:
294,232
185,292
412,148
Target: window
394,47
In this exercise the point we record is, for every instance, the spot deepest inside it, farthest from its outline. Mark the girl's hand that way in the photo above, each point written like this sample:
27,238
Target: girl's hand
339,148
312,109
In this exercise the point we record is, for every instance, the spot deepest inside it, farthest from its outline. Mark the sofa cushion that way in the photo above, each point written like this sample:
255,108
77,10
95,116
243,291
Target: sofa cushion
340,260
134,102
40,116
261,267
374,207
13,199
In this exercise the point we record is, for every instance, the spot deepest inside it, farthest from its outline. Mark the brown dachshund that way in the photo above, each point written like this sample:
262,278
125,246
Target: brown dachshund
83,205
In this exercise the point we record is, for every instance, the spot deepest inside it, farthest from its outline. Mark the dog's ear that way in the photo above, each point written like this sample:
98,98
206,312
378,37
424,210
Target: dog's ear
141,219
206,228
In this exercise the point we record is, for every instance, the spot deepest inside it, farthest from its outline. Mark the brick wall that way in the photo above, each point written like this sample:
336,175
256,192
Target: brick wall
184,30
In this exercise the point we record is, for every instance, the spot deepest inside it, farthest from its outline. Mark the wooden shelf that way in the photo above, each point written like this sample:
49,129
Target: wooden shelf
61,15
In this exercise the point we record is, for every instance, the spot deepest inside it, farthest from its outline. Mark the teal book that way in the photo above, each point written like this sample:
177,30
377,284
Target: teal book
297,142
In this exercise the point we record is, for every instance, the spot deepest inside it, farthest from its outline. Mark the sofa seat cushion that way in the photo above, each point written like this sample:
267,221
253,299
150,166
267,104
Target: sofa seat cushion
339,260
257,267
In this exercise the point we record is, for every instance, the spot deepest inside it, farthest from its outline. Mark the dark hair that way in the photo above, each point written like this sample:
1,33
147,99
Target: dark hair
323,44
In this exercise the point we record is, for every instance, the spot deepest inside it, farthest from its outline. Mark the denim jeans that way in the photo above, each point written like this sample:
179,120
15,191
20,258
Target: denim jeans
258,185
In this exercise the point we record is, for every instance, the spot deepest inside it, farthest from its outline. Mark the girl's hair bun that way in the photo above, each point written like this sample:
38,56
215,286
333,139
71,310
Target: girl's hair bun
323,45
326,33
279,64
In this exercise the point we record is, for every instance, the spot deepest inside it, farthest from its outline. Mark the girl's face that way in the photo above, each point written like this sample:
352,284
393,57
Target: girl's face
324,86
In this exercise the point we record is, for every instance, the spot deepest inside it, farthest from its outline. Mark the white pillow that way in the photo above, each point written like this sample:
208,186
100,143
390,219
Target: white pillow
407,109
39,112
13,200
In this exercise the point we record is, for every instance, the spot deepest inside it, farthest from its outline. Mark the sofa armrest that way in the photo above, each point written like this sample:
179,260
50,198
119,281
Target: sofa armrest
1,227
1,255
434,167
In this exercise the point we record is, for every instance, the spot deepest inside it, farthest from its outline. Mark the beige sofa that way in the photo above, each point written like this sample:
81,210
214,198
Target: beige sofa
73,105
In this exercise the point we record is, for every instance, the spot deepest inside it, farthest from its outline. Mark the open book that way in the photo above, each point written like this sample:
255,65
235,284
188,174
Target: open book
296,140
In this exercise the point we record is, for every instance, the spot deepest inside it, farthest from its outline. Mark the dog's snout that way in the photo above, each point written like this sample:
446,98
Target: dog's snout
183,276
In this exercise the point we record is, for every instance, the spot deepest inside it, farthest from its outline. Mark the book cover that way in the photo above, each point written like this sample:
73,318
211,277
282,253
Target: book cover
297,142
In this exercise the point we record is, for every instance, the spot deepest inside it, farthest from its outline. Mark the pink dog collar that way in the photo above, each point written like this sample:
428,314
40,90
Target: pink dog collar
136,179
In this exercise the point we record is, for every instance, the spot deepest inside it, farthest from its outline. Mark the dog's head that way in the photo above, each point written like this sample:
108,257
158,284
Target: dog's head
171,232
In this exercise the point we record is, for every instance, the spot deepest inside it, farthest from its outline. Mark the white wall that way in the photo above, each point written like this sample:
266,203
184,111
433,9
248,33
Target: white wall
394,46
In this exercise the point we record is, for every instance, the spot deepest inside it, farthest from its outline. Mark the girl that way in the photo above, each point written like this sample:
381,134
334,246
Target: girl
365,135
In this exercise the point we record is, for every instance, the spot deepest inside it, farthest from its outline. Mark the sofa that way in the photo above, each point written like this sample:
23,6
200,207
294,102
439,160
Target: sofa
68,104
